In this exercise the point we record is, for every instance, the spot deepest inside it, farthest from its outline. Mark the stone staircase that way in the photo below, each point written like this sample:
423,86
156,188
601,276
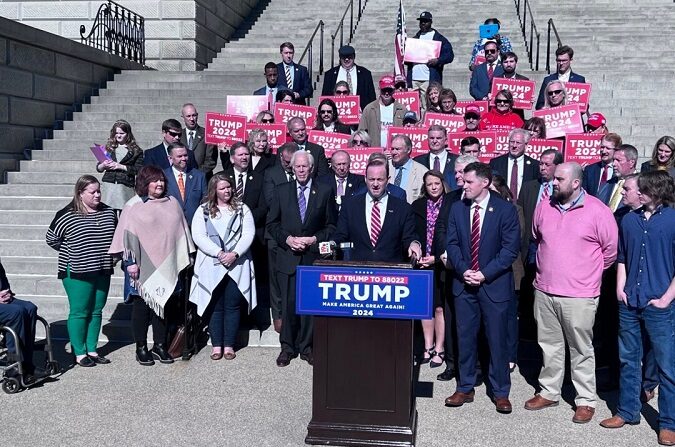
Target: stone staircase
44,184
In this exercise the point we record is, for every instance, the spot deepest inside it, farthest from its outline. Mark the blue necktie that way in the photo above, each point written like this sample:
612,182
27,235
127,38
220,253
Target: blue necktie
302,203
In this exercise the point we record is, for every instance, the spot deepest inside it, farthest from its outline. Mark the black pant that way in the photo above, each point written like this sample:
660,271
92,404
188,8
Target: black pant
141,318
297,331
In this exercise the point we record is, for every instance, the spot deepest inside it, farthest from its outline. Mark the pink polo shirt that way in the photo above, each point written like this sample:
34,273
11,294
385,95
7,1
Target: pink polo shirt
574,246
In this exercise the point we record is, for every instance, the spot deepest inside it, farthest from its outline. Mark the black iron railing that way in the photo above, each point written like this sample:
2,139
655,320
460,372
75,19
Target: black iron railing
309,48
530,36
341,27
118,31
551,27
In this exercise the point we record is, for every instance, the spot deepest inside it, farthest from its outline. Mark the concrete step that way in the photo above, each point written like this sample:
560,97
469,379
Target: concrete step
36,190
46,178
50,285
25,217
41,203
29,232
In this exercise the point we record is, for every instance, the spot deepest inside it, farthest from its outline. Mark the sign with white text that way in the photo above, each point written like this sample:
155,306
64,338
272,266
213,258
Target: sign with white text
502,145
561,120
522,91
453,123
222,128
488,143
461,106
418,136
583,148
329,140
349,108
359,157
578,93
538,145
284,112
248,106
276,134
409,100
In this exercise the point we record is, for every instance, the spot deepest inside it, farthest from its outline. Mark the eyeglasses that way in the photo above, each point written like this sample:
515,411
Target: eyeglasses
341,92
326,112
387,91
401,85
493,51
267,120
502,101
554,92
358,143
351,56
471,117
174,134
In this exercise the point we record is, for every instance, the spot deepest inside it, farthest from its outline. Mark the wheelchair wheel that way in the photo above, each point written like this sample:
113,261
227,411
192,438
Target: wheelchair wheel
11,385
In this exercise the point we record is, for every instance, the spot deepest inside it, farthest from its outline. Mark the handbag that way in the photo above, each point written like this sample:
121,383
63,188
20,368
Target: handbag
178,343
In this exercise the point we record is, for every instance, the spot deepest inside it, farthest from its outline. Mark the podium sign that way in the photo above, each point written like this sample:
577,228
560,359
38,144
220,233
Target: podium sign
364,292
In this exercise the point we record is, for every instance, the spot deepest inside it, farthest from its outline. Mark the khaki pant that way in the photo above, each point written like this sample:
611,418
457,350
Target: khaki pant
561,319
421,87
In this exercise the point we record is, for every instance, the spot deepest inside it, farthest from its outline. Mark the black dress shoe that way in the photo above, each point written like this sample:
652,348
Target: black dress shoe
446,375
86,362
99,359
143,356
309,357
161,354
284,359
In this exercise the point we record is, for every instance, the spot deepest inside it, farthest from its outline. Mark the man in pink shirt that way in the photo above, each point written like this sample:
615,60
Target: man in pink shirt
576,237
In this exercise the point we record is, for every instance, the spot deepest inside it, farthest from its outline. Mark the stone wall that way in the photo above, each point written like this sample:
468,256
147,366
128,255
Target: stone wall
41,77
180,34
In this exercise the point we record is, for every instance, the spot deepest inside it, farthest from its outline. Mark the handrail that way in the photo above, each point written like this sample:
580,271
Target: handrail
534,61
118,31
551,25
309,47
352,27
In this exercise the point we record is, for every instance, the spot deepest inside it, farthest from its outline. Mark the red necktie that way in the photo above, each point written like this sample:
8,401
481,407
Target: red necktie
513,182
475,238
375,223
603,178
545,195
491,71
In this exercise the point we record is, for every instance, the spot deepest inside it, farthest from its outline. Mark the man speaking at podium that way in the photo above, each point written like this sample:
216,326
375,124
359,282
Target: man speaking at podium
380,226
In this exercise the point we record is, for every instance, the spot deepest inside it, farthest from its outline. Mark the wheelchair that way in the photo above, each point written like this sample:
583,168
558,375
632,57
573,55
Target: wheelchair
12,374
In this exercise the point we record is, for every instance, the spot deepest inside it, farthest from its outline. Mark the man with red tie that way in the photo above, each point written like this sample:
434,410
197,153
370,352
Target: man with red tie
481,76
599,173
483,243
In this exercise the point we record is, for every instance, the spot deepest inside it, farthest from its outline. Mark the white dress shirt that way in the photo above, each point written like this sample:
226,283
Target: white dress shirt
369,209
481,212
342,76
521,168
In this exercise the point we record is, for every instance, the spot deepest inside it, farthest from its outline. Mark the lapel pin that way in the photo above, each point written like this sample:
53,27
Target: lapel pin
527,162
349,185
250,177
190,176
313,192
491,209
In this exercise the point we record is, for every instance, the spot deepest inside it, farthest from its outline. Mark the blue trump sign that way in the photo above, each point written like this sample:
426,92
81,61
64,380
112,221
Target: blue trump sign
364,292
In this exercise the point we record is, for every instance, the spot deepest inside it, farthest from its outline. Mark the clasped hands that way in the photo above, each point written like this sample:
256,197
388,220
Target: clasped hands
110,165
473,277
6,296
300,243
226,258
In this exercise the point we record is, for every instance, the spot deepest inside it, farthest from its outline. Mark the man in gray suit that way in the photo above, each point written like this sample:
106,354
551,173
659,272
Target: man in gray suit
194,140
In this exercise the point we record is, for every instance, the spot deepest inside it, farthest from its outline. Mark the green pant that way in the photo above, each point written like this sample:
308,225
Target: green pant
86,297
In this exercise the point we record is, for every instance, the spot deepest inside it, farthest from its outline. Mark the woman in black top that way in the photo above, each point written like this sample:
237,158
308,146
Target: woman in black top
82,233
327,118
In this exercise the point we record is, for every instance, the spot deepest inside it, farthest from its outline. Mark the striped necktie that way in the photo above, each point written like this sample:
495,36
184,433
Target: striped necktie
302,202
239,193
289,80
475,238
375,225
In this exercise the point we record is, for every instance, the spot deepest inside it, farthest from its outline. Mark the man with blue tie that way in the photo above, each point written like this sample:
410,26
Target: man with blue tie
292,76
483,243
188,186
404,171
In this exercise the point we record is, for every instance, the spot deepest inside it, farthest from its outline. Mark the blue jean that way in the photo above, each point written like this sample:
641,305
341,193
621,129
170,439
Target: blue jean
659,325
224,321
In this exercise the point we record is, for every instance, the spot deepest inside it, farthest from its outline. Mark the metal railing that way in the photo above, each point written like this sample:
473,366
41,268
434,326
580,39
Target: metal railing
118,31
551,26
341,27
533,32
309,50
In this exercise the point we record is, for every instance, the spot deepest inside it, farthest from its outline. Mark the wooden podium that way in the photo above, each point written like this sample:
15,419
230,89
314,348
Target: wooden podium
363,390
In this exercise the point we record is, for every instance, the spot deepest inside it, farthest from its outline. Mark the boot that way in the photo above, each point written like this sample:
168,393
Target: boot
161,354
143,356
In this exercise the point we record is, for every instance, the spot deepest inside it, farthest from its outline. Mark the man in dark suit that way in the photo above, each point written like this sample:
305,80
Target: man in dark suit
186,185
564,73
271,87
298,132
159,155
292,76
625,163
516,167
302,214
509,66
341,181
380,227
359,79
483,243
438,157
206,155
599,173
481,76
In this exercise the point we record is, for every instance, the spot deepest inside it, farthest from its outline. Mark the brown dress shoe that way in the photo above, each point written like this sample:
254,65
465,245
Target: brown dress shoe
284,359
583,414
539,403
503,405
613,422
666,437
458,399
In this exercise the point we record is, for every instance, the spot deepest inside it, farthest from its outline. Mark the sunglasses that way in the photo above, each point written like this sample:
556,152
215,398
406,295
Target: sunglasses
174,134
267,120
554,92
502,101
387,91
401,85
326,112
471,117
490,51
358,143
341,92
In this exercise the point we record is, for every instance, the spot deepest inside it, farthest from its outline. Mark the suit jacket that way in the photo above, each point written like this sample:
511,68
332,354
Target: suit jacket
320,162
529,193
283,220
370,121
591,180
254,197
396,234
273,177
301,82
446,57
448,172
206,155
413,188
503,75
195,190
480,83
266,160
498,248
157,156
530,170
393,190
541,101
351,185
364,84
605,193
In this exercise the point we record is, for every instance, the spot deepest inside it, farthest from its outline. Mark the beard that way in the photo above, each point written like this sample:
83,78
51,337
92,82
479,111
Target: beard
562,196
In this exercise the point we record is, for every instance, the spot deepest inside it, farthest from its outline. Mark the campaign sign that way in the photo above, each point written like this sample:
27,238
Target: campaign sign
364,292
583,147
419,51
418,136
461,106
276,134
453,123
284,112
578,93
409,100
538,145
502,145
349,108
488,143
248,106
222,128
359,157
331,141
522,91
479,59
561,120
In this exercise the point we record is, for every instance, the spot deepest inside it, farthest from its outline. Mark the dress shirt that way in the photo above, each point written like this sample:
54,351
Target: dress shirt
545,185
565,77
610,172
442,158
176,173
291,70
255,159
188,136
407,167
236,178
342,76
306,193
521,168
383,209
481,212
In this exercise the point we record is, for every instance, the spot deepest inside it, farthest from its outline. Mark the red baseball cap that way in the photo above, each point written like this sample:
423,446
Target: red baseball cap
596,120
386,81
472,110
